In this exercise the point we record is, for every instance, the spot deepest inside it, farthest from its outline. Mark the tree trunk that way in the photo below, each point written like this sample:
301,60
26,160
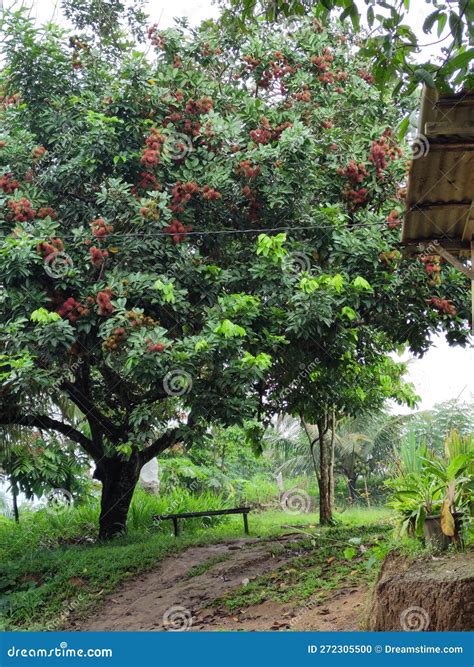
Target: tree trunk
325,508
16,513
351,483
331,460
366,491
223,456
119,479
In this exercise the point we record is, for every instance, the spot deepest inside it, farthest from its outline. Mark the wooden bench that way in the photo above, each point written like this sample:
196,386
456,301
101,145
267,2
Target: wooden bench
192,515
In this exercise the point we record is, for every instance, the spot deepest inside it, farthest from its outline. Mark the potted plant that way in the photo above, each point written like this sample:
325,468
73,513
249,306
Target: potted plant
433,499
456,482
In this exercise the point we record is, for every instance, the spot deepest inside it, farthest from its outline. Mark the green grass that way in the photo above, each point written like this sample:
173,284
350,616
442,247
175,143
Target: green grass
51,566
204,567
342,555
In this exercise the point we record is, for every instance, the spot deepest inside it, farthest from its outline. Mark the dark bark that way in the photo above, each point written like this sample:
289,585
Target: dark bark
351,483
325,508
331,460
16,513
119,478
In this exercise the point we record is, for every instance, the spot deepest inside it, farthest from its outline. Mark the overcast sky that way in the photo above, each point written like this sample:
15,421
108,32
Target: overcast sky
443,373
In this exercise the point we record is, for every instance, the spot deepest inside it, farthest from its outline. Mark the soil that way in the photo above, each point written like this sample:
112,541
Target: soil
430,594
175,597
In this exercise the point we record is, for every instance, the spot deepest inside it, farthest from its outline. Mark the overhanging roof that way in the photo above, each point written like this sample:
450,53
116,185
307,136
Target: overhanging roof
440,193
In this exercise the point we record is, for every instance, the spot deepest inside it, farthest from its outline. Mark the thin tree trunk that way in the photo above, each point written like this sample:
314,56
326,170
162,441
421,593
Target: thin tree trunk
16,512
351,483
223,456
331,460
325,509
119,479
366,491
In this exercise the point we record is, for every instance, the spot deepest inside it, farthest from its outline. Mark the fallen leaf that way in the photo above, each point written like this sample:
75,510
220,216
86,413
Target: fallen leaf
447,520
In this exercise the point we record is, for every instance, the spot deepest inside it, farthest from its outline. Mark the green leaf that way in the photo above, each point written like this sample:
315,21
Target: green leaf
423,75
430,21
403,128
443,18
349,312
350,553
166,289
43,316
362,284
459,61
230,330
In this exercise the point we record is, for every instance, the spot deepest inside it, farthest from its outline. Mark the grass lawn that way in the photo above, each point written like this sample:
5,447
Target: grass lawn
44,575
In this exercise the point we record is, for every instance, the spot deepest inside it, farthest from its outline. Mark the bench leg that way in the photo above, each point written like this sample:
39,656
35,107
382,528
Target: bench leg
246,524
176,528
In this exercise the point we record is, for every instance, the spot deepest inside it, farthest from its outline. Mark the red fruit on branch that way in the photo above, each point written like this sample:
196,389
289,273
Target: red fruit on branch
150,158
393,219
8,184
155,139
45,212
210,193
260,136
104,303
156,347
45,249
444,306
366,76
116,338
100,228
38,152
326,78
22,210
148,181
201,106
244,168
72,310
155,37
303,96
98,256
177,230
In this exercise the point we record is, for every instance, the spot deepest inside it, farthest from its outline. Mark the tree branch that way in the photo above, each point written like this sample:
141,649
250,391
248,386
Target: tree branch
45,422
163,442
90,411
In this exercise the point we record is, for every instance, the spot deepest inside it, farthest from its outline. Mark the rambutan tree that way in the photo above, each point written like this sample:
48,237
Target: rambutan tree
183,231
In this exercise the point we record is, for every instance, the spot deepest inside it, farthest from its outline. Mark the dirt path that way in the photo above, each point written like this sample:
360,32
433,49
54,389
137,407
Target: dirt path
179,592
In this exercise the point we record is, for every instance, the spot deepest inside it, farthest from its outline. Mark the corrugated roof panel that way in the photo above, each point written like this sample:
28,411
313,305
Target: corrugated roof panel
436,222
445,174
440,192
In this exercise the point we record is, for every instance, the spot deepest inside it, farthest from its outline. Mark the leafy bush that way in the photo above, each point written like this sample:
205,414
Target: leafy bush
433,485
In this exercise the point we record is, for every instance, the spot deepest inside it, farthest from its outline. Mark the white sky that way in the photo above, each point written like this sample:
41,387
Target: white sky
444,372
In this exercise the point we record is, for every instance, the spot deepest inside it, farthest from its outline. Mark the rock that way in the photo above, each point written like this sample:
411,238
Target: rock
149,480
424,595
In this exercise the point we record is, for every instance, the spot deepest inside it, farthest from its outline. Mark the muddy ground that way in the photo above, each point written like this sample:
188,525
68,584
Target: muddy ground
182,593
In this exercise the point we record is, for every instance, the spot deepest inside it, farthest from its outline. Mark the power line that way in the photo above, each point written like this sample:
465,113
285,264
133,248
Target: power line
237,231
